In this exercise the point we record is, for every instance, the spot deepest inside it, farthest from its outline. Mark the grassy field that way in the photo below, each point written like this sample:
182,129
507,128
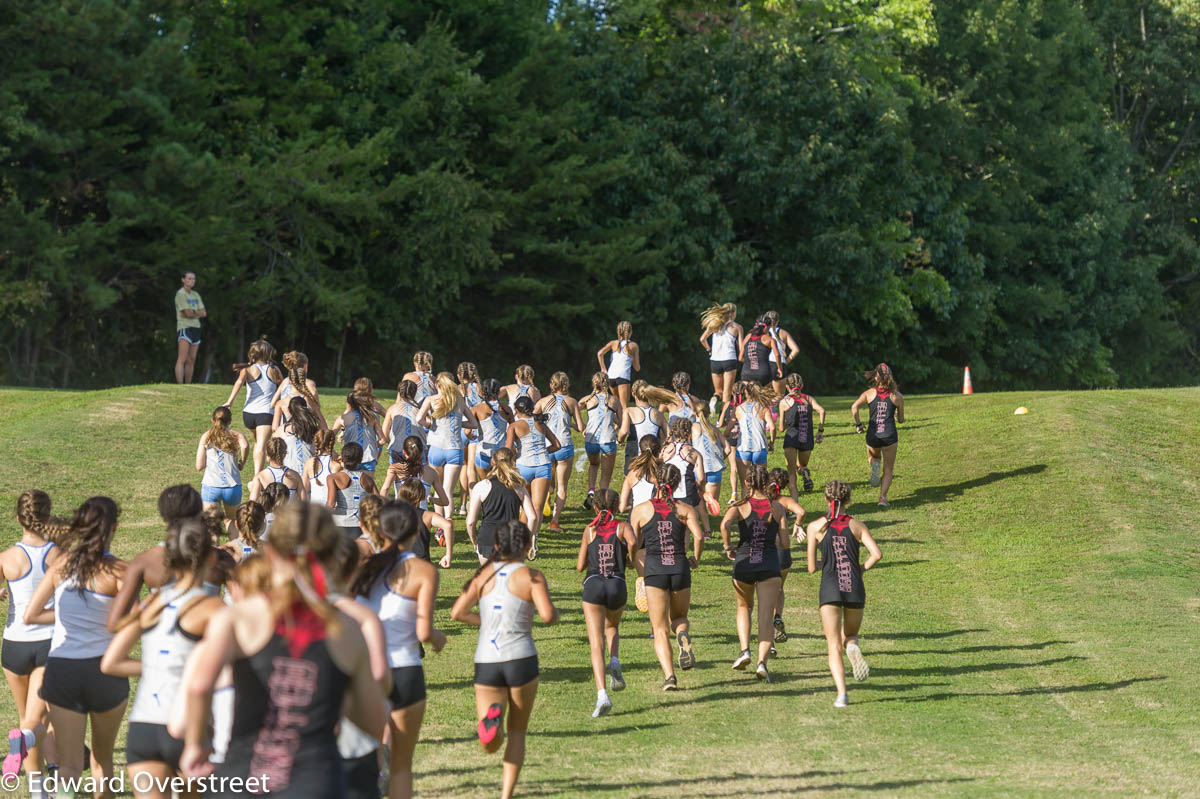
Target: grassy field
1032,629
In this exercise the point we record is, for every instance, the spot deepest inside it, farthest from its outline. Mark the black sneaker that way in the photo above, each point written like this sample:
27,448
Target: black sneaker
687,658
806,475
589,501
780,632
670,684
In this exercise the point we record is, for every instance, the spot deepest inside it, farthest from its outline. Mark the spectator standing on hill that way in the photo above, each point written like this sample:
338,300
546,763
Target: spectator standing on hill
189,310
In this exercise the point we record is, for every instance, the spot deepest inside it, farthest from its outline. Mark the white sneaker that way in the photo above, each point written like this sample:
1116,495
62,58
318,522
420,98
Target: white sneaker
712,405
876,472
616,681
843,700
742,660
857,662
603,705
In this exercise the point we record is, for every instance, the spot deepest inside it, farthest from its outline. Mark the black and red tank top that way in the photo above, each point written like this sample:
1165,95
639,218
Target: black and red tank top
607,553
663,541
882,425
755,355
798,419
288,698
758,534
841,574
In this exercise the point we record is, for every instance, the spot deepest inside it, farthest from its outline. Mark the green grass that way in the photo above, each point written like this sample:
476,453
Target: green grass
1031,630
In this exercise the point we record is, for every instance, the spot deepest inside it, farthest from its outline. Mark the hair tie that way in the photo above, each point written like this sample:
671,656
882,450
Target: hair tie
320,584
602,518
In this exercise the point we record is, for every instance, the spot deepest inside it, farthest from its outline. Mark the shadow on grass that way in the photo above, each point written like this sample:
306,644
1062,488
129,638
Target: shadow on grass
942,493
907,636
535,732
791,784
973,668
892,563
963,650
1043,691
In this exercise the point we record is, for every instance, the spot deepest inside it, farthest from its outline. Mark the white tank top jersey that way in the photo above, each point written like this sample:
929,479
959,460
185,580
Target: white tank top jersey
773,332
220,469
446,433
399,616
260,391
646,427
278,473
559,421
684,411
505,620
724,347
165,650
401,428
242,547
20,591
682,464
710,450
601,427
642,491
424,387
621,364
754,436
345,508
298,452
285,394
493,429
471,394
358,432
319,492
533,448
79,630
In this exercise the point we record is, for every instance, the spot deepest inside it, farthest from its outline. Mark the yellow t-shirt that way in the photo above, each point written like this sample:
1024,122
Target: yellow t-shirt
187,302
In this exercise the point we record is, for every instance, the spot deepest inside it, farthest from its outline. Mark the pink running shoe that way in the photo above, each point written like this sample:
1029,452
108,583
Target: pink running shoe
16,753
489,725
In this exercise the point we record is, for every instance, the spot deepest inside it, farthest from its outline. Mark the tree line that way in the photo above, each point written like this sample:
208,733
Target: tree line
934,183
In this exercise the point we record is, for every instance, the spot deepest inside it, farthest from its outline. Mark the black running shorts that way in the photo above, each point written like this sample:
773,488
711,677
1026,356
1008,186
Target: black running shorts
607,591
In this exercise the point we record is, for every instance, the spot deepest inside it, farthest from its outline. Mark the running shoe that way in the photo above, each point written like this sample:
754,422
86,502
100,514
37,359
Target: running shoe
806,475
742,660
773,652
639,595
712,405
462,510
555,527
489,725
16,753
603,705
533,550
670,684
780,632
761,672
589,501
857,661
883,503
843,700
441,538
616,680
713,505
687,658
876,472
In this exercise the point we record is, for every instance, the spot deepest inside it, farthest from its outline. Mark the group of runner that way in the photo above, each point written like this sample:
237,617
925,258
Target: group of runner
277,626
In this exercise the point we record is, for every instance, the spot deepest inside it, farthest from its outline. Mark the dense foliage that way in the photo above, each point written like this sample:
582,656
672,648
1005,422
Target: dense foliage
1010,185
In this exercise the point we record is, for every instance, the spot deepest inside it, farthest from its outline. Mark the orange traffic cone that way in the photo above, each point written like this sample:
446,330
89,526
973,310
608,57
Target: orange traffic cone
967,381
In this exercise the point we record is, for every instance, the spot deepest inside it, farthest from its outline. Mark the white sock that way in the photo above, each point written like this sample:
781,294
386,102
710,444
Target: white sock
30,738
613,662
601,696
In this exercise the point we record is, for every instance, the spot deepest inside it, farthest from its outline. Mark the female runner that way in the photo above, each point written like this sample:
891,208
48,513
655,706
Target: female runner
885,407
411,462
364,390
753,417
643,419
759,356
506,662
795,422
626,359
401,588
317,468
690,464
839,537
346,488
638,486
717,323
493,419
221,454
401,419
755,564
412,491
563,416
605,550
777,481
298,665
468,386
26,646
83,582
251,523
660,524
600,434
712,445
261,377
684,405
360,424
421,376
785,345
496,500
538,443
299,434
276,472
297,384
523,387
169,626
445,412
